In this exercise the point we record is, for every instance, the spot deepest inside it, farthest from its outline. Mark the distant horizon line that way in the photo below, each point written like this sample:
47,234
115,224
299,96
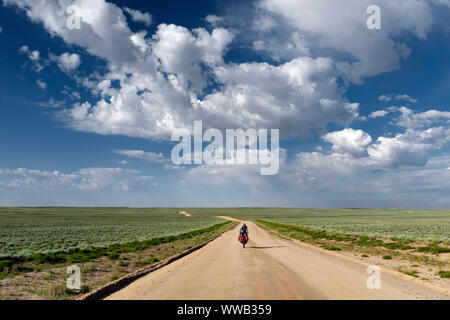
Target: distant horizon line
209,207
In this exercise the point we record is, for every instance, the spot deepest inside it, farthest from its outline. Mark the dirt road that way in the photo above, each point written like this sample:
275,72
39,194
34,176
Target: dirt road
269,268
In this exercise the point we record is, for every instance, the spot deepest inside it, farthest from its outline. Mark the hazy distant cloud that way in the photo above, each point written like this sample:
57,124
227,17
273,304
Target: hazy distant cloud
88,179
339,181
147,156
73,95
398,97
213,19
322,180
405,97
443,2
264,23
41,84
51,103
259,45
34,57
138,16
378,114
385,98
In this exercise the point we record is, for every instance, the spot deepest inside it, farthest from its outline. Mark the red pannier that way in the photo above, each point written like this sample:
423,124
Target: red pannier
241,238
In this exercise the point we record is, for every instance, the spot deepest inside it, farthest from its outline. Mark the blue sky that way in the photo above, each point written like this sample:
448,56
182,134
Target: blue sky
364,115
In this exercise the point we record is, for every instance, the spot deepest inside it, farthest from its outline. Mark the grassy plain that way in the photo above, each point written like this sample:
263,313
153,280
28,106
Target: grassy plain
422,225
26,231
37,244
43,276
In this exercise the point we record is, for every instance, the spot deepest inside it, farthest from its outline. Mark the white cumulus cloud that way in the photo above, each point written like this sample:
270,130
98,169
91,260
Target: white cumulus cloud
67,62
410,119
350,141
166,79
342,25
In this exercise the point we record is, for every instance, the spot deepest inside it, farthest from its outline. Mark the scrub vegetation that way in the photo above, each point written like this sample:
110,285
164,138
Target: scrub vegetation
26,232
37,244
32,266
